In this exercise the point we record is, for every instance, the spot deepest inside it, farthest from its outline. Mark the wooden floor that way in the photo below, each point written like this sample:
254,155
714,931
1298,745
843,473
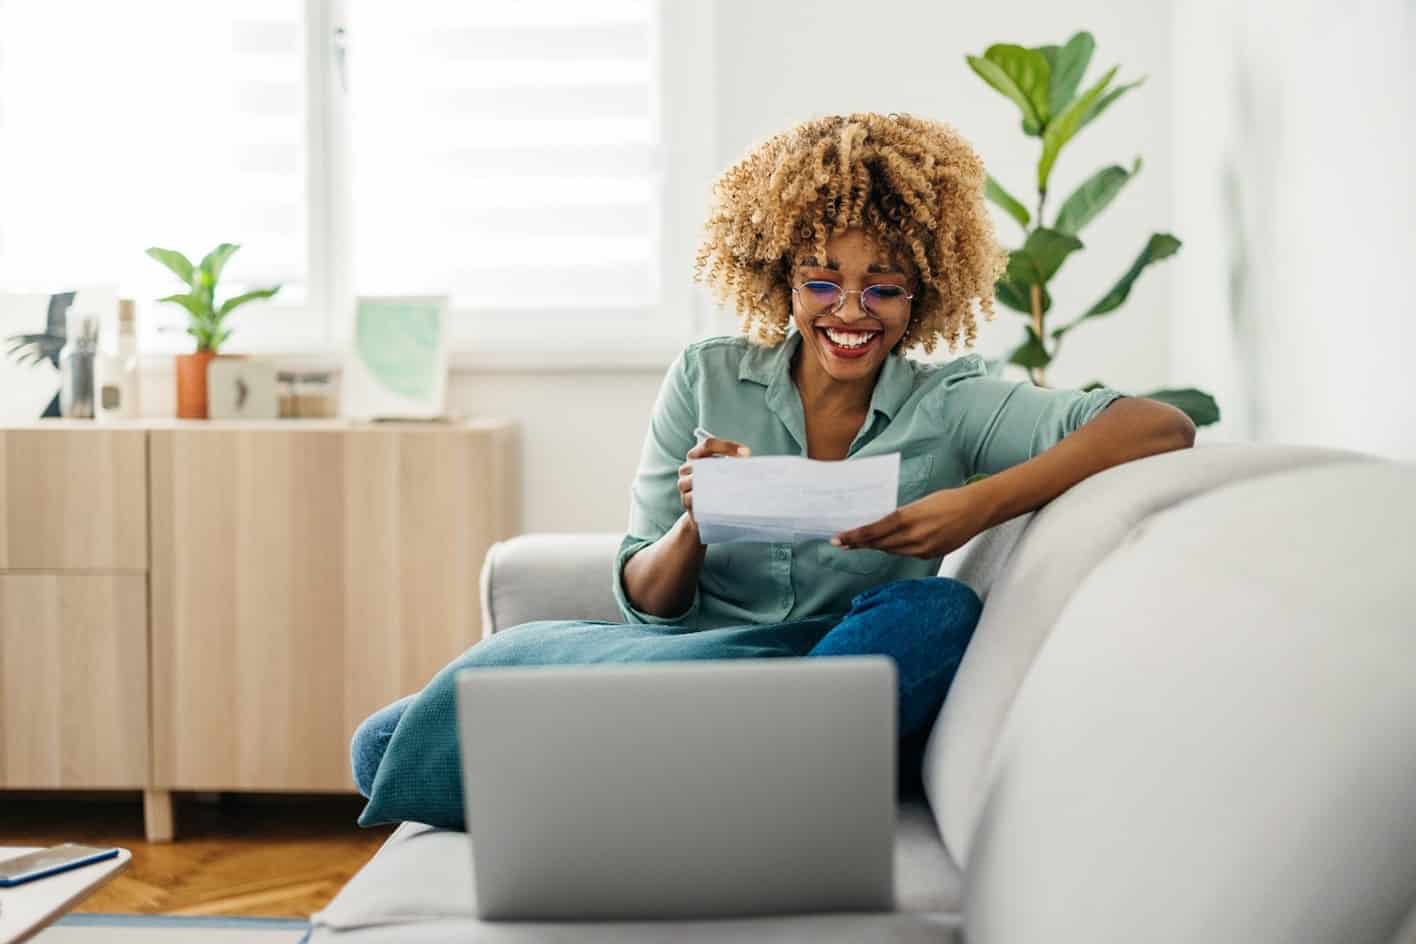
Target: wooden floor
235,855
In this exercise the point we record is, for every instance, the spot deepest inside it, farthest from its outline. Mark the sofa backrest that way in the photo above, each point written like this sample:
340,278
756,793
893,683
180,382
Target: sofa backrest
1217,740
1060,545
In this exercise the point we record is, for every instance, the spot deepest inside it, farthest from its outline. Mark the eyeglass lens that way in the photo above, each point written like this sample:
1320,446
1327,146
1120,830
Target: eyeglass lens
884,301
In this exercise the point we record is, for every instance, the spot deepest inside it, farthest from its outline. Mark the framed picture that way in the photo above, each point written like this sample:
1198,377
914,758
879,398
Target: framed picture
31,335
397,367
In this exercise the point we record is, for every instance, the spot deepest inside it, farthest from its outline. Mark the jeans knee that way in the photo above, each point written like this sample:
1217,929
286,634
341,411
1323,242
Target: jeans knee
370,741
365,752
940,602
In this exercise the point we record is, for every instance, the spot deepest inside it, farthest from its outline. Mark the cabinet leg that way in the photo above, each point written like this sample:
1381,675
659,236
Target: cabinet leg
157,815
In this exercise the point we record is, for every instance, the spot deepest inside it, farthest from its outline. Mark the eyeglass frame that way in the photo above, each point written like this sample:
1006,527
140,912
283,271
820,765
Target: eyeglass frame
845,292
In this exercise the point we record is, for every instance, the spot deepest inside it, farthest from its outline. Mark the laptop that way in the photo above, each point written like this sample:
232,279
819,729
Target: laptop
697,789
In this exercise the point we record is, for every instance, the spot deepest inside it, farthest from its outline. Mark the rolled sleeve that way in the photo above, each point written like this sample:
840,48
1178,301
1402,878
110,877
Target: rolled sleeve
630,546
1009,422
654,503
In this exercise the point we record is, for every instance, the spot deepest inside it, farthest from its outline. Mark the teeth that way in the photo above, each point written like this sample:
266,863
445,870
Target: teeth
849,338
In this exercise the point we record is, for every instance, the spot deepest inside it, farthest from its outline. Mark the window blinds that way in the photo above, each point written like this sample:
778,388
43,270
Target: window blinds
506,154
151,122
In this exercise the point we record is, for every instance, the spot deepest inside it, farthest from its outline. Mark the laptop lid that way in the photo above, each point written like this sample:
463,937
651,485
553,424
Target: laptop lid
680,789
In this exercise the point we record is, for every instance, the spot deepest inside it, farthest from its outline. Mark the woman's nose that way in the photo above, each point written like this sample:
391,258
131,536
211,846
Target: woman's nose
853,309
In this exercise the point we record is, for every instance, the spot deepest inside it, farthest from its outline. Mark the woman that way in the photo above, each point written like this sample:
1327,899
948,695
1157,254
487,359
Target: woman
843,243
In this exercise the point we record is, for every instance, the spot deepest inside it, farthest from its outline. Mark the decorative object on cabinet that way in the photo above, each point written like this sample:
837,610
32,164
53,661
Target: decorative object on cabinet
206,319
76,365
398,367
306,394
118,391
33,327
240,388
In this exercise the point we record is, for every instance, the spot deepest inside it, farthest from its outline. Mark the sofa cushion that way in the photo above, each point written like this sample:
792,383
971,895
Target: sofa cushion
420,776
1061,544
423,874
1218,740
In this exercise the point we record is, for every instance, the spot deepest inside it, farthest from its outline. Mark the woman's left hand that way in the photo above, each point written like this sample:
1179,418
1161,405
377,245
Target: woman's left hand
933,526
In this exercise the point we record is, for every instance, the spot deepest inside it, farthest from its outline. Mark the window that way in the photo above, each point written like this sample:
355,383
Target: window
512,156
184,132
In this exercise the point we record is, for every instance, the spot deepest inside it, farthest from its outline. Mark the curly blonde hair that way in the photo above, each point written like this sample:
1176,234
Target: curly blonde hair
914,185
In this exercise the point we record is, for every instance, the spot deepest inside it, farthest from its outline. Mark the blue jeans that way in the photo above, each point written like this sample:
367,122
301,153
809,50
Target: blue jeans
924,625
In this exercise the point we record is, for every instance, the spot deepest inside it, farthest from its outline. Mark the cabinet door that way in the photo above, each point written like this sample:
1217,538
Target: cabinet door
301,579
73,681
73,498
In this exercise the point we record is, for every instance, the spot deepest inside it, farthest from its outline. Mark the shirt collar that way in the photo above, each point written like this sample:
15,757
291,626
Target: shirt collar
771,367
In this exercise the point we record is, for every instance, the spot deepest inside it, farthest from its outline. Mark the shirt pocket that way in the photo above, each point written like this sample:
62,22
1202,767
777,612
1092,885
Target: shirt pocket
915,481
753,578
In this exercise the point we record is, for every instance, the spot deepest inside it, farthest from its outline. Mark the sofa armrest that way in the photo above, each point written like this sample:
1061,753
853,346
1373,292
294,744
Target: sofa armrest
549,577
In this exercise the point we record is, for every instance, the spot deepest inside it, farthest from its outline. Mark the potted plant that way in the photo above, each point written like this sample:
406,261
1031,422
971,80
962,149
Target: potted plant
206,319
1045,82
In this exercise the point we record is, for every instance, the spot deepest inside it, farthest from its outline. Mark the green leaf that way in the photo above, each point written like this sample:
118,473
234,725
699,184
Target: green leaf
195,305
1030,65
1103,103
236,301
203,334
1041,256
1061,129
1029,71
180,265
1159,246
994,191
1199,406
1016,296
1030,353
215,261
1050,54
1068,67
1092,197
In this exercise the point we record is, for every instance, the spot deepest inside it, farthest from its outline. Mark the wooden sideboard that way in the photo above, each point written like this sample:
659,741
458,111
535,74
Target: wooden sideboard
216,606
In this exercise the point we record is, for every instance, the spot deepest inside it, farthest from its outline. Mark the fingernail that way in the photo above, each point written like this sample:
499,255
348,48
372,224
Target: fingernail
744,451
836,542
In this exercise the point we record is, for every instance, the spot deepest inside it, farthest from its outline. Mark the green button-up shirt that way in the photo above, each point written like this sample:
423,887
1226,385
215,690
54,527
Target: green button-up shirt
948,421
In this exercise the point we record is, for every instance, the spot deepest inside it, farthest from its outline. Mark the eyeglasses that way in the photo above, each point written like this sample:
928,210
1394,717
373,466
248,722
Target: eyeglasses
820,297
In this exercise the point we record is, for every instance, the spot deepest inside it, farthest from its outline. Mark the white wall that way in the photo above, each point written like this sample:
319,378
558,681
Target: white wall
580,438
1295,148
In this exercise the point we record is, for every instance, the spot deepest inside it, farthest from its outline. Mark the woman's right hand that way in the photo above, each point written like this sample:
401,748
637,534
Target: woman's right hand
712,446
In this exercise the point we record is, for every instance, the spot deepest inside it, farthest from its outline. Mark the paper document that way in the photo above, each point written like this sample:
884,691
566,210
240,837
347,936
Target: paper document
787,498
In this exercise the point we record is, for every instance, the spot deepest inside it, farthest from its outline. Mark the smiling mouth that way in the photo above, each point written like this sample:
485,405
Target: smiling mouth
848,344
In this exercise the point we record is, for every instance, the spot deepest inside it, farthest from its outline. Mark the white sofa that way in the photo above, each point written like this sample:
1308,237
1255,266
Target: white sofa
1188,714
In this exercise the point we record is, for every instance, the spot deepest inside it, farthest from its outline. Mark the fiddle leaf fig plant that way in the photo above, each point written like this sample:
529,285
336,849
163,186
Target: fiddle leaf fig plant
205,318
1046,84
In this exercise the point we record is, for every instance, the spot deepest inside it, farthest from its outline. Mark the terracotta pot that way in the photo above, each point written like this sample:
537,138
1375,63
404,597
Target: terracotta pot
192,385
